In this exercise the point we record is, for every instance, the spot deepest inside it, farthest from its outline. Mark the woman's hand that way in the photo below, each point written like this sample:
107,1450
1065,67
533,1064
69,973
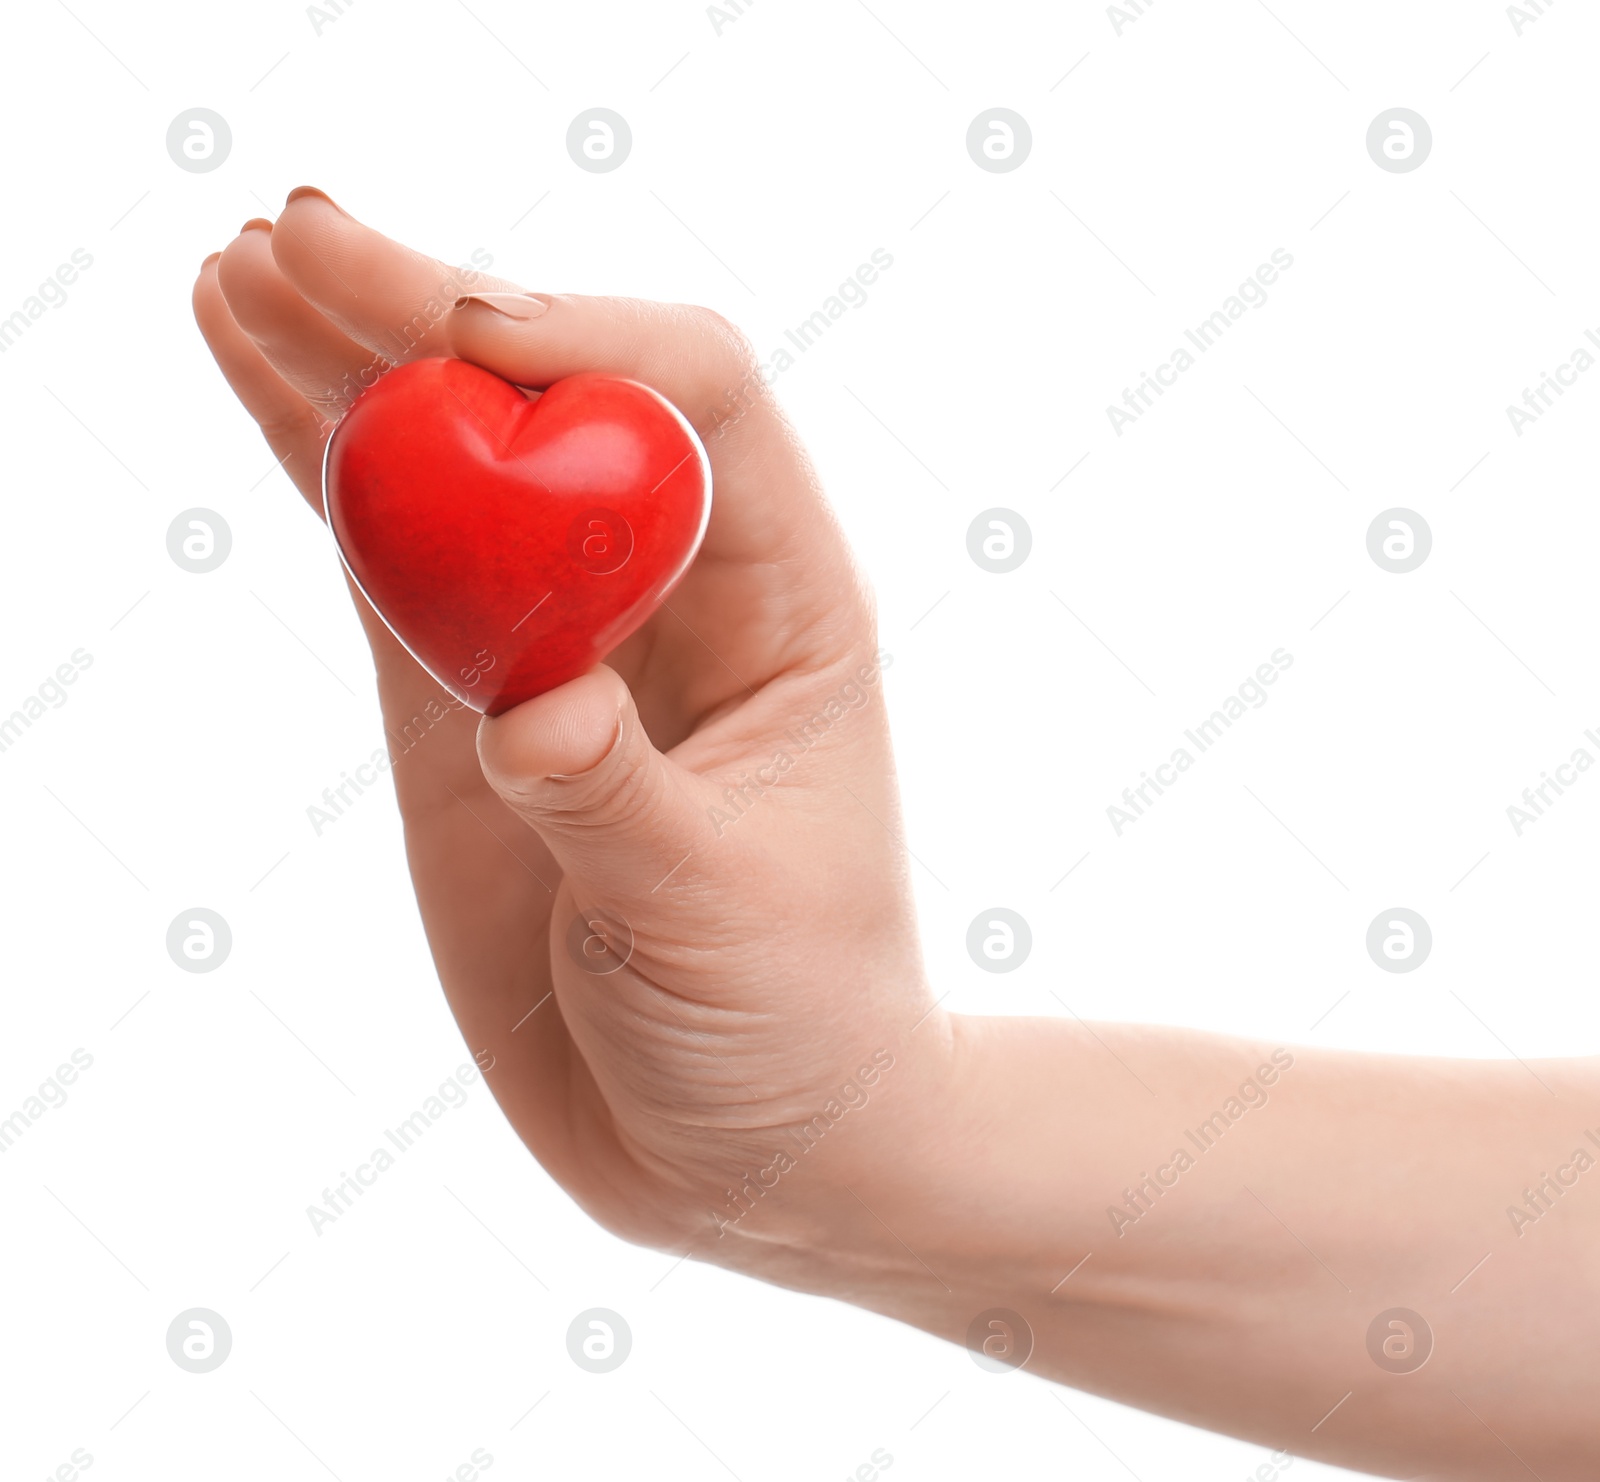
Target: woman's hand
667,898
1224,1233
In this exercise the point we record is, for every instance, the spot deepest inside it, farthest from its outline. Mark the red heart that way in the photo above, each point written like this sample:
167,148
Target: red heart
510,544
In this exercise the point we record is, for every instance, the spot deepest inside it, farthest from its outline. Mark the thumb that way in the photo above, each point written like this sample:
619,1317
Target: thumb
576,765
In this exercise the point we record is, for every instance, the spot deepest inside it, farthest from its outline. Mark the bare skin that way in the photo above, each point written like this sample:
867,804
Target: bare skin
775,985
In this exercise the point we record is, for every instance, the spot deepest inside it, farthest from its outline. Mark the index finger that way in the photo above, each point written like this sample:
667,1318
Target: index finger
404,304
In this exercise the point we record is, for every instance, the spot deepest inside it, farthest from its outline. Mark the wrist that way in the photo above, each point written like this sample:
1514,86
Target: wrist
910,1207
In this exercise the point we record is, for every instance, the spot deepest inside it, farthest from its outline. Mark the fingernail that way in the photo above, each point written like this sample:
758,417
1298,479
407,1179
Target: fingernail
512,305
616,741
256,224
311,190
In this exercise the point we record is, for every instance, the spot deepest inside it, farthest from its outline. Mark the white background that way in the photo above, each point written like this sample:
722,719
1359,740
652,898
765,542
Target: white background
768,162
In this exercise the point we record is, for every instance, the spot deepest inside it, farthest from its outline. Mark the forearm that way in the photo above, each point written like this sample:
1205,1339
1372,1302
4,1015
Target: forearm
1208,1230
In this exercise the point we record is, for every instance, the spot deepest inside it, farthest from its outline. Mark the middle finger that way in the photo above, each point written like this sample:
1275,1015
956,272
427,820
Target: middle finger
306,348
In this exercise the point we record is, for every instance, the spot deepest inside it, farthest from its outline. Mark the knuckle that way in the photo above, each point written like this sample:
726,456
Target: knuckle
615,797
619,795
709,346
617,792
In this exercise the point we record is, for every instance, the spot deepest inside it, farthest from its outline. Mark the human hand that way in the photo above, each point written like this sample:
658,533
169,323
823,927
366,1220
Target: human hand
705,1094
668,898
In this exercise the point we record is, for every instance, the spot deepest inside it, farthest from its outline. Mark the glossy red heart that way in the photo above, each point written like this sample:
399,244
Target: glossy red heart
510,544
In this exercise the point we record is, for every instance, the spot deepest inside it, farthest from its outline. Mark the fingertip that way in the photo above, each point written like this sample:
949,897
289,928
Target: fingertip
561,735
206,295
241,267
312,246
312,193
